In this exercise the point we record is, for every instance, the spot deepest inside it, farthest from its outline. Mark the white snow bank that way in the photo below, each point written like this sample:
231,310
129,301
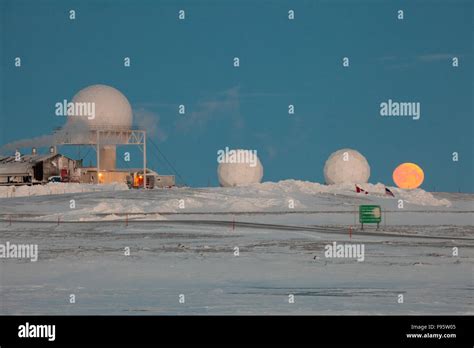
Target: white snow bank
117,207
256,197
57,188
417,196
114,217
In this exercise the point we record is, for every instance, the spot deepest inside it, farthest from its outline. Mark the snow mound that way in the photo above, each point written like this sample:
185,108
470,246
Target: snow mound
116,207
295,187
57,189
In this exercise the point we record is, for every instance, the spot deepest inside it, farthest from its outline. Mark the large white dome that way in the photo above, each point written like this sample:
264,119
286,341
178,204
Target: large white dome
239,174
346,166
111,107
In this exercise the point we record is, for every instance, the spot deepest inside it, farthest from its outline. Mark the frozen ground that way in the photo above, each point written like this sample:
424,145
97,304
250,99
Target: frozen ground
190,250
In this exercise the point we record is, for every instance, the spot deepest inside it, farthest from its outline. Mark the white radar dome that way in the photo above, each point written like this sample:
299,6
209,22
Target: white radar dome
346,166
111,107
240,174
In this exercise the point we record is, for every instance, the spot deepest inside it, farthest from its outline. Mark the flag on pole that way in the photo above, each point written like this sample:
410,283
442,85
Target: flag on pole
388,192
361,190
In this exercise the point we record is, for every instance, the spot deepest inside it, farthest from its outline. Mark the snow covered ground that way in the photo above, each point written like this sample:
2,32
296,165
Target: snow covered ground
183,240
56,189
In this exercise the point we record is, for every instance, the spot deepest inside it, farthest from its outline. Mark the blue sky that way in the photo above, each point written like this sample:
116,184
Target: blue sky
283,62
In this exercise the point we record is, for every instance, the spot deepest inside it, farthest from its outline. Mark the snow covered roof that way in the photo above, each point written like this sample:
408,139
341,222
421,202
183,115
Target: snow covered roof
15,168
8,165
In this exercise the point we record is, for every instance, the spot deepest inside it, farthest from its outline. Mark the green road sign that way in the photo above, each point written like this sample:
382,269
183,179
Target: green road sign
370,214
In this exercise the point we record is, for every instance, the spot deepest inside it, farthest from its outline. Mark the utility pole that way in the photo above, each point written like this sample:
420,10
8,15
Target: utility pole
144,160
98,155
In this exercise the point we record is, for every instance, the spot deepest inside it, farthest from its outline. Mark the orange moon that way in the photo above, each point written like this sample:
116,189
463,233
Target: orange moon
408,176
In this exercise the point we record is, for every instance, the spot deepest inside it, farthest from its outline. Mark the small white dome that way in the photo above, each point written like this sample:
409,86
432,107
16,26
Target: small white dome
240,174
346,166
